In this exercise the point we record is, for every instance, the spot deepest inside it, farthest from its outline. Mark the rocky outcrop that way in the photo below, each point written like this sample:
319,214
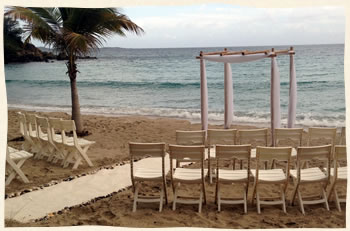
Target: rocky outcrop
30,53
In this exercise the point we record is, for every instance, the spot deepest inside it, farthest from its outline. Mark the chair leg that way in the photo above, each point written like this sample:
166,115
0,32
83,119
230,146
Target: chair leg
331,190
296,186
254,192
135,197
301,202
258,201
283,197
204,194
245,201
16,171
325,198
209,170
200,200
217,198
161,199
337,203
165,191
216,191
175,196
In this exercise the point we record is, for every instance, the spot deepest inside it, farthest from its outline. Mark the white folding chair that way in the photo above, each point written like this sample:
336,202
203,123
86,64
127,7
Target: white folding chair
254,137
312,175
28,142
76,149
189,138
59,152
43,137
188,175
230,176
291,137
338,174
14,160
271,176
152,173
33,133
218,136
321,135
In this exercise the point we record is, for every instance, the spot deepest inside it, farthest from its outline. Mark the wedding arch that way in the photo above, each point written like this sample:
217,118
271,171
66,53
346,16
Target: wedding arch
228,57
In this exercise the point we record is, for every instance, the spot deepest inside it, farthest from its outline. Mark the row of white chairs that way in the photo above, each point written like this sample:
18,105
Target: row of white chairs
283,137
47,138
196,153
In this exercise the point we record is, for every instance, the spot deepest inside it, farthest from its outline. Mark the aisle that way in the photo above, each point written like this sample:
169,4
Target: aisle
37,204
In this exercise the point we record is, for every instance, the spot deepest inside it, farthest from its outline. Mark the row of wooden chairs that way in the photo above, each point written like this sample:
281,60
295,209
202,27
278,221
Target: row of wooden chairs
283,137
196,153
48,138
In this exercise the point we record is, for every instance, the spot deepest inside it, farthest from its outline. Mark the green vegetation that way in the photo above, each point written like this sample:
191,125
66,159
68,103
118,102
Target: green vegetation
73,32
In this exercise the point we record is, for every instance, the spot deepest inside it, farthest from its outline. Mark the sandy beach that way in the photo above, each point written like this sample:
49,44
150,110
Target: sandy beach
112,135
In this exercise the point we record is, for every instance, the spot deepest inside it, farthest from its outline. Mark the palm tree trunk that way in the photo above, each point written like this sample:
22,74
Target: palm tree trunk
72,72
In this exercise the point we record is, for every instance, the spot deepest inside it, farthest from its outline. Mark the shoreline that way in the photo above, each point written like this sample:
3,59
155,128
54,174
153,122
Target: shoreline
259,124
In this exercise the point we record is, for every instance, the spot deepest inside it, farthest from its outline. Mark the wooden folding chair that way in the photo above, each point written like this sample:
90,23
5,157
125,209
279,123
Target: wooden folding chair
188,175
311,175
59,152
43,137
14,160
153,173
189,138
322,135
288,137
230,176
338,174
271,176
33,133
218,136
28,142
76,148
254,137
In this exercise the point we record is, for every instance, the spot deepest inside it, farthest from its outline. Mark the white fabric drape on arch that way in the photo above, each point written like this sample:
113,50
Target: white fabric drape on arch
275,89
292,106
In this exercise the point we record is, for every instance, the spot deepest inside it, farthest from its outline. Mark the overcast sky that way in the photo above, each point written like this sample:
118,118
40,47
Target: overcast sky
210,25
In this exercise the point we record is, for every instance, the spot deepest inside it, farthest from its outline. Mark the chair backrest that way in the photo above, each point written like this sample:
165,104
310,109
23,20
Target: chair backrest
221,136
340,152
31,124
55,125
68,126
342,136
273,153
314,152
290,136
43,125
253,137
188,153
324,135
23,125
190,137
230,152
146,149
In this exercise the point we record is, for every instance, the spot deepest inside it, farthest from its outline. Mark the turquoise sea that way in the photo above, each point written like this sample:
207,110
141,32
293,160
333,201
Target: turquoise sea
166,82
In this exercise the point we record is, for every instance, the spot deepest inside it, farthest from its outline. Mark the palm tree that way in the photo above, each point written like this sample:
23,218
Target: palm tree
73,32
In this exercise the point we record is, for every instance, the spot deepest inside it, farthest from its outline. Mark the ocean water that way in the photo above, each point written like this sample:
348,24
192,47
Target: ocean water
166,82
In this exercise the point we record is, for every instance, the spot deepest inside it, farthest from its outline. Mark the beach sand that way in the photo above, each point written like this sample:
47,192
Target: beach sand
112,135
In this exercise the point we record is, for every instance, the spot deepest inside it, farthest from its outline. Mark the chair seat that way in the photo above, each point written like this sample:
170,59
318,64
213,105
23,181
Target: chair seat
342,172
70,141
253,153
146,173
188,174
19,154
309,174
269,175
233,175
